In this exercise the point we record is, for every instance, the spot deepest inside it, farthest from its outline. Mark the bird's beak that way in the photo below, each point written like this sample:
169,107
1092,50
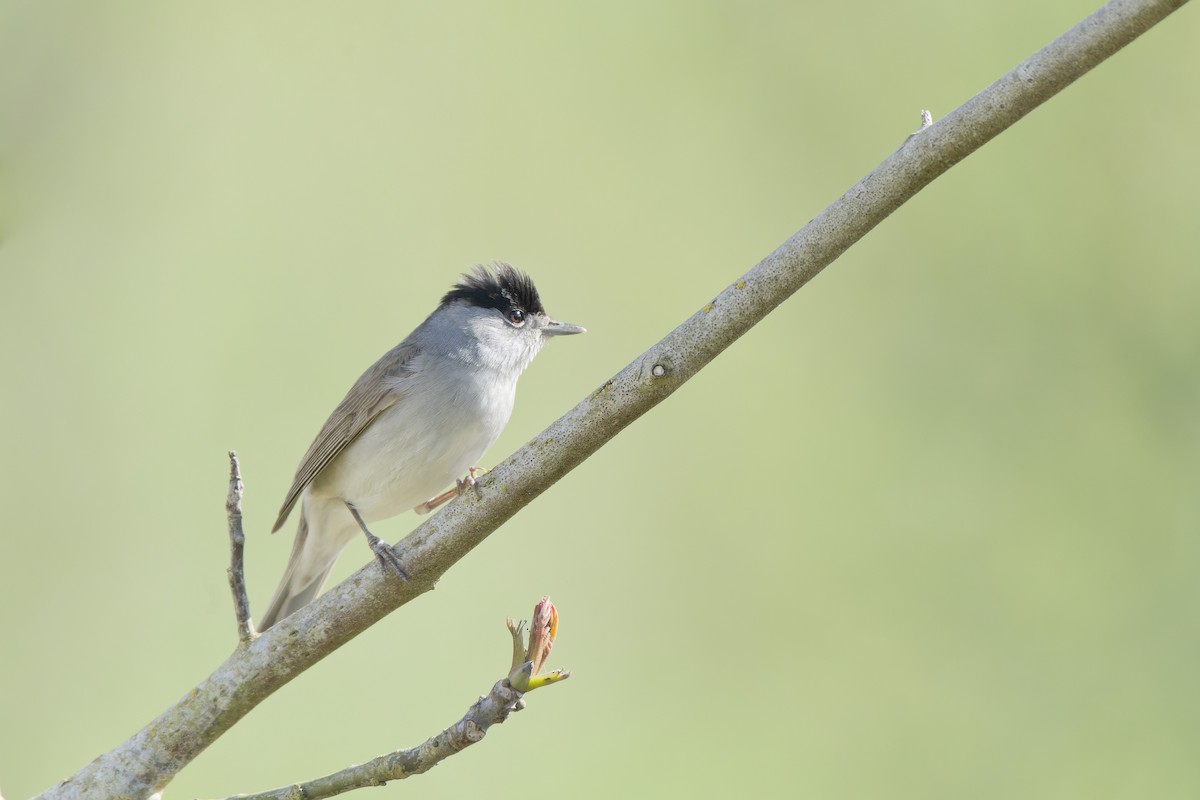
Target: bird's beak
555,328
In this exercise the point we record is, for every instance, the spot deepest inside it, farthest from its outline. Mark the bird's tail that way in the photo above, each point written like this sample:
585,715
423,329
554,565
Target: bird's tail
299,586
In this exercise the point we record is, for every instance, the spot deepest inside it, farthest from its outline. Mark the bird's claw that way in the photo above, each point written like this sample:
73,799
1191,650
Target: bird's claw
387,556
382,550
460,486
469,482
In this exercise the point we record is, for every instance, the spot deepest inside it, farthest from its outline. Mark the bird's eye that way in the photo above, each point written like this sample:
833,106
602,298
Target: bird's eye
516,316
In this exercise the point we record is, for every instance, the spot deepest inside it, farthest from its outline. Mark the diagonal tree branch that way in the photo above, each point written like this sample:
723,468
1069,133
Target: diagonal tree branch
147,761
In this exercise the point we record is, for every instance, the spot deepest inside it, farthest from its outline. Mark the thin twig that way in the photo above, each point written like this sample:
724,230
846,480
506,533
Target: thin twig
237,547
491,709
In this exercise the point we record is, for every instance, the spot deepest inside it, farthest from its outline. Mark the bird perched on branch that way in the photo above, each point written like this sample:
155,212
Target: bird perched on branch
418,418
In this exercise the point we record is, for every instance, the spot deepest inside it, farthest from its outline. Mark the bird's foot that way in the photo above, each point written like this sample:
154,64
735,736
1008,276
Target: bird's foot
460,486
386,554
470,483
382,550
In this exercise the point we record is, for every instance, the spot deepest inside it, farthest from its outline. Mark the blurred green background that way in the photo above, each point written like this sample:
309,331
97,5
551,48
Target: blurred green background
931,530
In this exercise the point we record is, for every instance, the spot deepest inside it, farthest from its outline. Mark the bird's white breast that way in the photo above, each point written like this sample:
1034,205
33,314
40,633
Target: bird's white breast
398,463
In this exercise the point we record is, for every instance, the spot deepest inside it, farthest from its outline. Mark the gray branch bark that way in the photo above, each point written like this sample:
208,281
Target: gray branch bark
151,758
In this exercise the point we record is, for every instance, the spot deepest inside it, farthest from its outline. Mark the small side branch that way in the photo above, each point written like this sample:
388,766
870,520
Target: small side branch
237,546
491,709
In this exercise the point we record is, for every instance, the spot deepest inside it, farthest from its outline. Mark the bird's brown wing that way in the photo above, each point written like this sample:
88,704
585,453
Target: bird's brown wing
373,393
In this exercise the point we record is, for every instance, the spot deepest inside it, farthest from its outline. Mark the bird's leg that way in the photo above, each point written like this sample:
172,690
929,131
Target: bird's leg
459,487
470,481
382,550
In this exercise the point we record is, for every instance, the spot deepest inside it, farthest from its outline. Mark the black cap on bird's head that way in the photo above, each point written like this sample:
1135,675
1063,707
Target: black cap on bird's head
502,287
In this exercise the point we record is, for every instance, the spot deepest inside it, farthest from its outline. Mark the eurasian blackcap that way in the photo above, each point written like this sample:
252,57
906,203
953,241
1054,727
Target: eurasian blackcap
421,416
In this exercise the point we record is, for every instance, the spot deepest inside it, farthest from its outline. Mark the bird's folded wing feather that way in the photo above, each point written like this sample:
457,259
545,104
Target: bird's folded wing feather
375,391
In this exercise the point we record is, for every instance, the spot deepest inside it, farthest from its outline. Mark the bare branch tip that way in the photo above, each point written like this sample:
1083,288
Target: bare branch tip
926,123
233,503
237,545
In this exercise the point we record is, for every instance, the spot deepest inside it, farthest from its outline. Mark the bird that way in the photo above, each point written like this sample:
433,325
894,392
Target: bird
418,418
